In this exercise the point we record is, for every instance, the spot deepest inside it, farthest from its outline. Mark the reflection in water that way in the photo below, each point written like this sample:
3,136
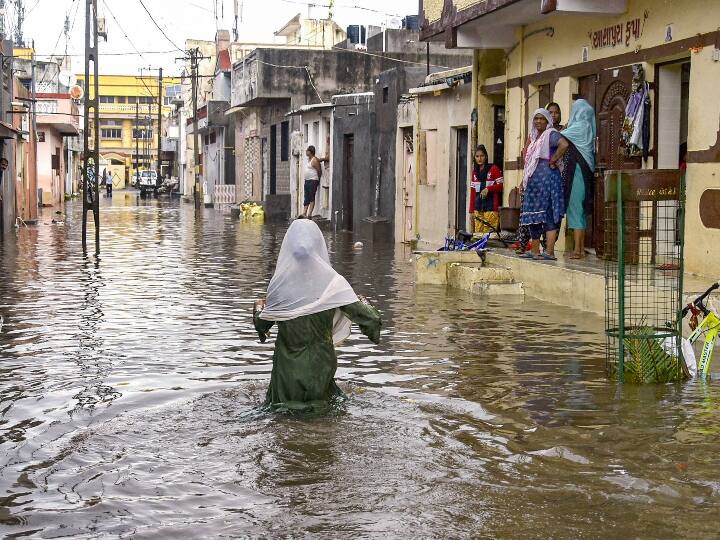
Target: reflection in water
129,386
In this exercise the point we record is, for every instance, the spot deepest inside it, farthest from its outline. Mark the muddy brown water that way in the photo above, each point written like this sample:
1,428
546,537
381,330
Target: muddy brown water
129,388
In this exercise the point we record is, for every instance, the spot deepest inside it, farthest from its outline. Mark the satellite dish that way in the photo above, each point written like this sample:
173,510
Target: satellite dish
66,79
77,93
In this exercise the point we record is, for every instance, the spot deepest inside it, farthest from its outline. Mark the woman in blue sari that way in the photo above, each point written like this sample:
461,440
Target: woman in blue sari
543,205
579,171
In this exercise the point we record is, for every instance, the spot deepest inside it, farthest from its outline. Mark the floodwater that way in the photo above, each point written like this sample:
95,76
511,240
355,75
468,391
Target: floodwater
129,387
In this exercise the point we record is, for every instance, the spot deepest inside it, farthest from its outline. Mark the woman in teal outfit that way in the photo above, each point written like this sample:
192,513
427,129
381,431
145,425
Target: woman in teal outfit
313,307
579,171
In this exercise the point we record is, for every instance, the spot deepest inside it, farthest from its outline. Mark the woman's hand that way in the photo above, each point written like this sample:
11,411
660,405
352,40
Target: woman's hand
484,193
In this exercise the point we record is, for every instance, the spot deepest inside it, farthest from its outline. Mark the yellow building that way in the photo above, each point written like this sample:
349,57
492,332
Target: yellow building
128,122
529,53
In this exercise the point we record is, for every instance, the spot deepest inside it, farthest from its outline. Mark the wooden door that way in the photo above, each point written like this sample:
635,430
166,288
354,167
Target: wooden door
273,160
461,180
348,183
408,185
612,91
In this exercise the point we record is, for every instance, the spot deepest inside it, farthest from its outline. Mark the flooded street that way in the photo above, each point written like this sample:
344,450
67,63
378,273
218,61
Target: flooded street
129,388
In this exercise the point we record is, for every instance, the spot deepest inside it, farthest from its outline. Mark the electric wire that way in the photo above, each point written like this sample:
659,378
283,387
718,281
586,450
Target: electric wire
62,32
142,3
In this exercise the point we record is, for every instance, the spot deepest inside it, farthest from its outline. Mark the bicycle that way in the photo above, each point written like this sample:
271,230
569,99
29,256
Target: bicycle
464,242
710,325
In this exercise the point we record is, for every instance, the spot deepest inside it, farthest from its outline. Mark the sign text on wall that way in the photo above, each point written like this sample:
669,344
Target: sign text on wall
618,34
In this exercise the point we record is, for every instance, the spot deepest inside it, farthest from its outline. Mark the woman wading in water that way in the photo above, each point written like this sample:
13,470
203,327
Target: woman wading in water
314,308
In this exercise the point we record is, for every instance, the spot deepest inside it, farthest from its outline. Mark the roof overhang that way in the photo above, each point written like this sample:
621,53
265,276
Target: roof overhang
290,27
309,108
492,24
7,131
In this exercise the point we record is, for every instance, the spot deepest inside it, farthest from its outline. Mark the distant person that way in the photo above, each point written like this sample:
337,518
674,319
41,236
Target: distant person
313,174
579,171
108,184
314,308
485,193
556,114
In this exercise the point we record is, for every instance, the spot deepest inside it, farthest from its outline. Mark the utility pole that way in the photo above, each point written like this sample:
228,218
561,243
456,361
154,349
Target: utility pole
194,56
137,143
20,10
2,19
91,162
159,131
197,192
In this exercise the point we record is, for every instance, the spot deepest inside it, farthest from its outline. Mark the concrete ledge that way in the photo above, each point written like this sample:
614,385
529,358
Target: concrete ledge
557,282
574,284
484,280
431,267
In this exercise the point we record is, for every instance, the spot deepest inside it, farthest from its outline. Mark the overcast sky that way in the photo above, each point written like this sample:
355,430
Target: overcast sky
180,19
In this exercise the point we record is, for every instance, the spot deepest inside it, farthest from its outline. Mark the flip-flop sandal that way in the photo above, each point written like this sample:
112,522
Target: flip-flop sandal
547,257
528,255
576,257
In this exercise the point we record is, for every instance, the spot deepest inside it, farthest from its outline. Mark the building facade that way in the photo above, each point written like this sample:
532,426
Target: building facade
433,160
58,162
129,122
270,82
559,50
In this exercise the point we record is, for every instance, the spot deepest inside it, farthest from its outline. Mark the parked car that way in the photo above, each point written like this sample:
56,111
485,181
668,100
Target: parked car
148,182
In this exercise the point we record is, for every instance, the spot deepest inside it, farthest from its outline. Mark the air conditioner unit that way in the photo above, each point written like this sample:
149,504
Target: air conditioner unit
102,28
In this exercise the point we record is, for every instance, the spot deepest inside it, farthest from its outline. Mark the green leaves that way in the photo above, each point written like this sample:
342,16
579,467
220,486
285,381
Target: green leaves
646,362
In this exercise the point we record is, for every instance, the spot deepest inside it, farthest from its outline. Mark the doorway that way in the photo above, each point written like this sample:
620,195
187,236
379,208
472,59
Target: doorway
347,189
499,136
608,92
273,160
461,179
408,185
265,188
672,111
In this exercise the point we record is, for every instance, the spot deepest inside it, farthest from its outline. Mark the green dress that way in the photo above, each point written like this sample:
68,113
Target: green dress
304,362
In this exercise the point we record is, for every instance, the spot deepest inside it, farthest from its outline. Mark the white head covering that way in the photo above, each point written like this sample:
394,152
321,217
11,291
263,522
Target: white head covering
539,147
305,283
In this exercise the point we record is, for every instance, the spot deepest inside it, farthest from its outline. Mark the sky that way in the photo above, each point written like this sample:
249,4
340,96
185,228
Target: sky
180,20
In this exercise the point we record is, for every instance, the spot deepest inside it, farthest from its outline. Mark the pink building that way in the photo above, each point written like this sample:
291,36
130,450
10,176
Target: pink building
57,118
23,158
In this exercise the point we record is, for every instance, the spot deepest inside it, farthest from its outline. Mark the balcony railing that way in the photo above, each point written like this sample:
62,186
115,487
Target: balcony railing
127,108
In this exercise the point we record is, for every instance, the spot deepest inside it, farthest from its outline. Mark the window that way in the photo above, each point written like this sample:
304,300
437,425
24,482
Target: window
120,99
108,122
142,133
428,146
132,99
111,133
107,99
213,138
386,94
172,93
148,100
41,136
285,141
55,160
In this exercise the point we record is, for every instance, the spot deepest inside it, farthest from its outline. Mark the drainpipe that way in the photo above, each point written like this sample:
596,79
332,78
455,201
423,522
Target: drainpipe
475,100
378,180
417,167
523,101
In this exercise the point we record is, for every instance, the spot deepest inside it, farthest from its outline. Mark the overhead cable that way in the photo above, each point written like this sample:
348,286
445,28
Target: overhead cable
142,3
